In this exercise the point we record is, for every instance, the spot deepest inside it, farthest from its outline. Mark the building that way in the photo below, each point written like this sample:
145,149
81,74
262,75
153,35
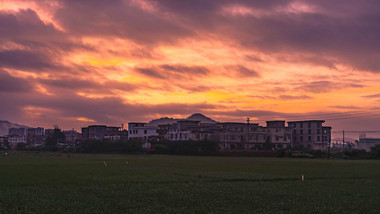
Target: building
72,137
279,135
310,134
367,143
35,136
240,136
31,136
184,130
15,139
3,141
49,132
144,132
100,132
18,131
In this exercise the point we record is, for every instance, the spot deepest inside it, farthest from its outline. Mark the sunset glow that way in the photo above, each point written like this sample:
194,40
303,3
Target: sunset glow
76,63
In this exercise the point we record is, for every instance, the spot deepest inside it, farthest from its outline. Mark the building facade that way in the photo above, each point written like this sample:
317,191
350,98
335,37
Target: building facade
279,135
310,134
100,132
367,143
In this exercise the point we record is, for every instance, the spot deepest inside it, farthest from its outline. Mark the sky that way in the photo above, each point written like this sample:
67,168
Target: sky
76,63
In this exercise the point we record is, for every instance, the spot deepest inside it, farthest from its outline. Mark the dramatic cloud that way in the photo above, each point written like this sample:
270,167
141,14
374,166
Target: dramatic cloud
111,62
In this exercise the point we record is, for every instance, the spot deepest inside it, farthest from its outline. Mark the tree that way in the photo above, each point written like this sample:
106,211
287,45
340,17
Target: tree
267,145
376,151
57,137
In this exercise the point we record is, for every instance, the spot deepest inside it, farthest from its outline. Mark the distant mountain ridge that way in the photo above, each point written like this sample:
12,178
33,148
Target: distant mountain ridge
201,118
194,117
5,125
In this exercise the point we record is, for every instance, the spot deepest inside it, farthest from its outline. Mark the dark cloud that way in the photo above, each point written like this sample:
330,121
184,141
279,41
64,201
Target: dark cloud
88,85
169,72
150,72
291,97
124,19
69,83
26,26
25,60
372,96
281,97
345,107
65,107
329,34
192,70
325,86
242,71
10,83
318,87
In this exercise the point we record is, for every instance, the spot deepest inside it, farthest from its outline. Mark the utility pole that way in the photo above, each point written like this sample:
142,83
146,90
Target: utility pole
343,139
247,141
328,151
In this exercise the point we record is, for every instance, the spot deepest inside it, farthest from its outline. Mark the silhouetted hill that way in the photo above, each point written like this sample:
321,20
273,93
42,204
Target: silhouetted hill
167,120
5,125
201,118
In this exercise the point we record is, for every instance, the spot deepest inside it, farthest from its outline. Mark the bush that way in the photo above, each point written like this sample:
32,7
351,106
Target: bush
188,147
300,154
375,151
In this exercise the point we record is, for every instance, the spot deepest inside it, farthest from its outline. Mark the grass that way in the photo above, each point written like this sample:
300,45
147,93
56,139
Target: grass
61,183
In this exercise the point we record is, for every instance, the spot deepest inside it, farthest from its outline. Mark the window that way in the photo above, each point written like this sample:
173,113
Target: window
294,131
301,125
145,131
309,131
318,131
276,138
294,139
301,131
309,125
301,138
309,138
318,138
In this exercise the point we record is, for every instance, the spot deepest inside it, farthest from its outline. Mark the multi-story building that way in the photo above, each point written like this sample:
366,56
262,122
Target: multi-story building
35,136
30,136
367,143
144,132
278,135
72,137
15,139
18,131
310,134
100,132
241,136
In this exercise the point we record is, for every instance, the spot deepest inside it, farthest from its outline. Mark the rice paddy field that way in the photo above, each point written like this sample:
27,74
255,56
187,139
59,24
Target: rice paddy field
77,183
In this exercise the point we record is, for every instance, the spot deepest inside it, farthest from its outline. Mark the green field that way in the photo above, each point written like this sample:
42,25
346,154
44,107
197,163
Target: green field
62,183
